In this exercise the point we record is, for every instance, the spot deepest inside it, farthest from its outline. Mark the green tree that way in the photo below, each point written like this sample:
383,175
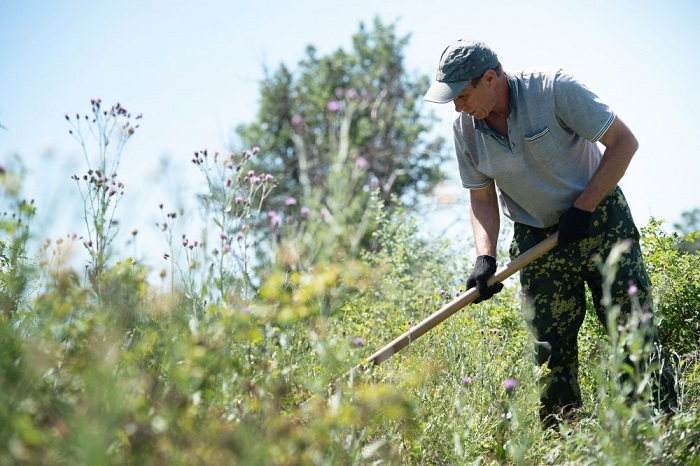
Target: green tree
344,111
689,227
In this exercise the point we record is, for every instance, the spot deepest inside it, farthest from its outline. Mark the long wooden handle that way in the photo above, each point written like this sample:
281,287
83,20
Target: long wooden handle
460,301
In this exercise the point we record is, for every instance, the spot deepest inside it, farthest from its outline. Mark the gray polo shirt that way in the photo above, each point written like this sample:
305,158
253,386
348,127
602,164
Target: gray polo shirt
550,152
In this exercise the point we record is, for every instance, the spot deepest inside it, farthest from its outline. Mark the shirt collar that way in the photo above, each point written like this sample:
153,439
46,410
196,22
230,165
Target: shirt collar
514,92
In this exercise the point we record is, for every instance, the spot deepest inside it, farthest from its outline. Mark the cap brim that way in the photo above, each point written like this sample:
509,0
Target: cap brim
442,93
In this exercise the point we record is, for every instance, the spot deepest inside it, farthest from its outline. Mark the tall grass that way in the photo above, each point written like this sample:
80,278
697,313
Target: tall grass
232,364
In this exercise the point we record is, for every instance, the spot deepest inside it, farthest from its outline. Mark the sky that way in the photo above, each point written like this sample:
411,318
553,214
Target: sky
193,70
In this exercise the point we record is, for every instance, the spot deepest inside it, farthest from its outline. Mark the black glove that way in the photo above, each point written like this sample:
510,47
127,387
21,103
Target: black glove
574,225
484,268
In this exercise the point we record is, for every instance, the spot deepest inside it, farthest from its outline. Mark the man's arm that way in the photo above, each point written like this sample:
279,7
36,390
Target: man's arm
486,220
620,145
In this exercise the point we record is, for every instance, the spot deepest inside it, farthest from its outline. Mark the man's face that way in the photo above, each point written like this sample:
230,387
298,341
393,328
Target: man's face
476,101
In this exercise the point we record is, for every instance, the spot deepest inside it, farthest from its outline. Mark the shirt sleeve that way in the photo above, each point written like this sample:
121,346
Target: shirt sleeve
579,109
470,176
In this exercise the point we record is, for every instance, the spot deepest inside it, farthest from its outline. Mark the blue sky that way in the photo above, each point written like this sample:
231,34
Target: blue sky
192,69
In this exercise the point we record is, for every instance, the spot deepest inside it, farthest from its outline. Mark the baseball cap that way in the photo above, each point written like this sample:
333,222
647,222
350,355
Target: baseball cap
462,61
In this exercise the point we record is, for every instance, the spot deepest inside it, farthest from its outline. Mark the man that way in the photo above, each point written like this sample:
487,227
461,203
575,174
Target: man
527,142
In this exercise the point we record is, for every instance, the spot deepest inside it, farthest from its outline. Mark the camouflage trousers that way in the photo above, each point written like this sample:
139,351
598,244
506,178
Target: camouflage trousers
554,299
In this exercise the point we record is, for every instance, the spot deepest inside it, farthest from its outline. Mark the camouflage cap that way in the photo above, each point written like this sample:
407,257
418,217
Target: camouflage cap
462,61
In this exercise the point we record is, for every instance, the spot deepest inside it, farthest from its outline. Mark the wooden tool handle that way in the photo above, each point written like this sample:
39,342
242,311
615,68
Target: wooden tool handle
460,301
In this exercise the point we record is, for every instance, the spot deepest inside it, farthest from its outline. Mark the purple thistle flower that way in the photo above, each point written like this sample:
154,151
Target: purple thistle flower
256,150
466,380
357,341
632,290
297,120
255,180
351,94
290,201
239,200
304,213
333,106
240,235
361,163
509,384
269,178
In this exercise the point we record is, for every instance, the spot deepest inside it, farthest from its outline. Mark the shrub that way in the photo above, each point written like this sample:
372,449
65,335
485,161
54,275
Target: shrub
675,274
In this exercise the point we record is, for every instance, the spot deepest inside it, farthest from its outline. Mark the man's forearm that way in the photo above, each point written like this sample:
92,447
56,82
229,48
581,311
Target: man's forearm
486,221
620,145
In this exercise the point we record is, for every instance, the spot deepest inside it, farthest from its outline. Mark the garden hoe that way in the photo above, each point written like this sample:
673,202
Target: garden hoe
453,306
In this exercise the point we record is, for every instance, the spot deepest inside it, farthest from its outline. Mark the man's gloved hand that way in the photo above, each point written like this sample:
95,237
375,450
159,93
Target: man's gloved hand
484,268
574,225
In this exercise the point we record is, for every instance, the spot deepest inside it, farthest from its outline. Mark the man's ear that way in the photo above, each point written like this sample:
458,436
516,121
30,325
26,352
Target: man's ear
490,76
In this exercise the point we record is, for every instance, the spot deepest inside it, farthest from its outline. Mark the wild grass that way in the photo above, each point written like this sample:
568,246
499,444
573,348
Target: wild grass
255,362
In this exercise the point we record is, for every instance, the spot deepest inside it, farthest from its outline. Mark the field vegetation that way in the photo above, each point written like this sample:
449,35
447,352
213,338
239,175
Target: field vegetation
245,342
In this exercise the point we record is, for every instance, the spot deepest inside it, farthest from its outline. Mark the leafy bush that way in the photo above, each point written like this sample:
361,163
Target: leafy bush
16,271
675,274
